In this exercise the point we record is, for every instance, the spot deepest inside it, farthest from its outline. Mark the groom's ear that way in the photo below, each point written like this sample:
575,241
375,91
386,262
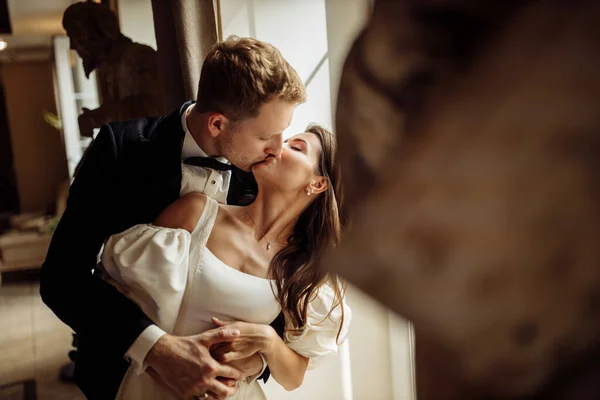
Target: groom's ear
319,185
216,123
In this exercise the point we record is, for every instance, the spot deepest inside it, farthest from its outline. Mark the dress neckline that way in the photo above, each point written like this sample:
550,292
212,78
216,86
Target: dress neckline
236,270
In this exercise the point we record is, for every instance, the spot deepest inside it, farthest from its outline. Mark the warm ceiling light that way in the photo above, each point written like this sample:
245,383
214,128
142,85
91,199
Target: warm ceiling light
3,45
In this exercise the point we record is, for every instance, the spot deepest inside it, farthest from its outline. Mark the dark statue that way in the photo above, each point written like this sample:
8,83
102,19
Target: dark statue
128,72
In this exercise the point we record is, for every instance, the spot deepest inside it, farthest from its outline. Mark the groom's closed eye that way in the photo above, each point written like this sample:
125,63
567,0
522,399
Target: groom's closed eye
269,137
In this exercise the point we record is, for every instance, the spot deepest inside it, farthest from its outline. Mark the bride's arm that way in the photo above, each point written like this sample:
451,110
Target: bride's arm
286,366
184,213
289,359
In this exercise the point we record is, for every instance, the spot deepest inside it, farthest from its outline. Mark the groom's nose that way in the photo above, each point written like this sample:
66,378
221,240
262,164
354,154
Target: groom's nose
275,147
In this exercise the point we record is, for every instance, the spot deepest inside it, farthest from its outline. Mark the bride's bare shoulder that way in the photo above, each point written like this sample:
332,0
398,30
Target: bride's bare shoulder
183,213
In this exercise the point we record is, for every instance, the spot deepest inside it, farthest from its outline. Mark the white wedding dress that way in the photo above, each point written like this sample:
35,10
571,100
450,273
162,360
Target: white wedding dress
180,285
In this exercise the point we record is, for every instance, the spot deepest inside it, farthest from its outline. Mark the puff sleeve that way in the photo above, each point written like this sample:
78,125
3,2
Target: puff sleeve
149,264
319,338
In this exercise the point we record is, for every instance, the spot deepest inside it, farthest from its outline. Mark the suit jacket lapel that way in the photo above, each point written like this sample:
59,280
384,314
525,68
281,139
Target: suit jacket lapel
166,139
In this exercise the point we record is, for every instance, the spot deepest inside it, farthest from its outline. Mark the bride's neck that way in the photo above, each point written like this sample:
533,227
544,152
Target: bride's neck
275,216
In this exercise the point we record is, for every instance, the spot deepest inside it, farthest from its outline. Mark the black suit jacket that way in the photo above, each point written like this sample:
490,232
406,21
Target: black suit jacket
129,174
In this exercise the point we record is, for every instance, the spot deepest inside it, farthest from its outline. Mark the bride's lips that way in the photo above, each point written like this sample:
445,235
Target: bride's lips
263,162
266,160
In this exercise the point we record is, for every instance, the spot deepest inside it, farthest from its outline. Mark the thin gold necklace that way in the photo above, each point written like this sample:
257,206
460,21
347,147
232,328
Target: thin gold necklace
264,235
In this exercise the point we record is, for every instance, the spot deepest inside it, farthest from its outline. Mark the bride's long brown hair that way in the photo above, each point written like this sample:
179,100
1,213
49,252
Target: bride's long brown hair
297,278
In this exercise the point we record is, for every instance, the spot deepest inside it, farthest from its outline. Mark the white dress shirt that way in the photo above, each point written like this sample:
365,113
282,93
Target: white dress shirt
214,184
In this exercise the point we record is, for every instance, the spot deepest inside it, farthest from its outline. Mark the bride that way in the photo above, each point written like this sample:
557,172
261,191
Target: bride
204,266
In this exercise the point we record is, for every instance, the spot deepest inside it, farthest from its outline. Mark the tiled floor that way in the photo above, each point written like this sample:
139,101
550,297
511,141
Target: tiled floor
33,342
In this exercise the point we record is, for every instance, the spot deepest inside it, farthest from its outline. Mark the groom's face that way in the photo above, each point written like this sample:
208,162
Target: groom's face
252,140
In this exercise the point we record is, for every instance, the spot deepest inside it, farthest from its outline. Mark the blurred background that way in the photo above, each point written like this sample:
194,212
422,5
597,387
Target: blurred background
43,90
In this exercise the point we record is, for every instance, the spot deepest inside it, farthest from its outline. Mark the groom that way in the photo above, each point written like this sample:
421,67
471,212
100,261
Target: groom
131,172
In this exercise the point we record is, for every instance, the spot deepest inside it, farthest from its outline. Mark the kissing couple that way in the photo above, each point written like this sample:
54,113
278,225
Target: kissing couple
208,226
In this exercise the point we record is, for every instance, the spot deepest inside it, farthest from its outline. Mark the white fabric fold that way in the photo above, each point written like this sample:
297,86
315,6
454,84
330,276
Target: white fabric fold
150,264
319,338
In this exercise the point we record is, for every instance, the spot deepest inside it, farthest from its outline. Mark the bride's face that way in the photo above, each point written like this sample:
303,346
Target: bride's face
297,168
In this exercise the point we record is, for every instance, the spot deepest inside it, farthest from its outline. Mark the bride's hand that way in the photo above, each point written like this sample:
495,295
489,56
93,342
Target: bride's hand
253,338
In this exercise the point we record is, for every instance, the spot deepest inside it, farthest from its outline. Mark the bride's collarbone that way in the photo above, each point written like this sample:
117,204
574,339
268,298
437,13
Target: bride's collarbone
239,250
233,240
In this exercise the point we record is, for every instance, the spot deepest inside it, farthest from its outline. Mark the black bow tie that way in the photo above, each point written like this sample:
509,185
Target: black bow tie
208,162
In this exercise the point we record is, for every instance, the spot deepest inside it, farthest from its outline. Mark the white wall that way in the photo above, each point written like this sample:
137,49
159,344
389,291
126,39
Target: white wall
298,29
135,18
67,109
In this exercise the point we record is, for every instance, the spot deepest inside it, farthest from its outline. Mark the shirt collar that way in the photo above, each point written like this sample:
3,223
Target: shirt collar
190,148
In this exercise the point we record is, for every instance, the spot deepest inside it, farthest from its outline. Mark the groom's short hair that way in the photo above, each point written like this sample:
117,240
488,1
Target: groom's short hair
241,74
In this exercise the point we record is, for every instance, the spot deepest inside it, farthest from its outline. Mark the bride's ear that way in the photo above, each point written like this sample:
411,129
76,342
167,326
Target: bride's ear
318,185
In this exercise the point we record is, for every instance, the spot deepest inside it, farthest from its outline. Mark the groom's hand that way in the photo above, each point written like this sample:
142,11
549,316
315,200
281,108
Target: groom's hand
184,365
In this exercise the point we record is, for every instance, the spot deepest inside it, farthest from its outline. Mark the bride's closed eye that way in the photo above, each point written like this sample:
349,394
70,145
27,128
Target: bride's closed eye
296,145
